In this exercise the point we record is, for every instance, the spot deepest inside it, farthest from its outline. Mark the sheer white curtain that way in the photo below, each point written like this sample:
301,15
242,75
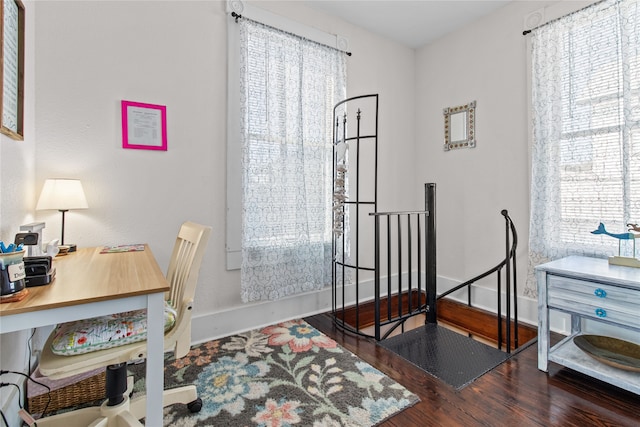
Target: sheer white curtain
586,132
289,86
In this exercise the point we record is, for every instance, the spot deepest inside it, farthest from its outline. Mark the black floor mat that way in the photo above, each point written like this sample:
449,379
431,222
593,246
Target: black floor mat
453,358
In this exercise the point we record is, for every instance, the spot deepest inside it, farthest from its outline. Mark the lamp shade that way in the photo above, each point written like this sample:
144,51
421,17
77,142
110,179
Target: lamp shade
62,194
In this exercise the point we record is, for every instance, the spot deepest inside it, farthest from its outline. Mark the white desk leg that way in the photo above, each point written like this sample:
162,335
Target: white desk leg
155,358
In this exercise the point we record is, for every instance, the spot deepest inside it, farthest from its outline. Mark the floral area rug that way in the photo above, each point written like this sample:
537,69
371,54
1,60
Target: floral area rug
289,374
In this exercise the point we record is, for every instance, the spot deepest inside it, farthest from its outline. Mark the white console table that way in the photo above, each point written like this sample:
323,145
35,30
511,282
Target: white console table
587,288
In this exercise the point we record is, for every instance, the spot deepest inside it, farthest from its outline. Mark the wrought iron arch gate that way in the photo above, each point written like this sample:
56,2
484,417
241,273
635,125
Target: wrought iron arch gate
397,279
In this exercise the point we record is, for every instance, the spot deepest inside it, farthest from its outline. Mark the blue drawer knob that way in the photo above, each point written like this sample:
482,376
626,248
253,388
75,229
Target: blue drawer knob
600,312
600,293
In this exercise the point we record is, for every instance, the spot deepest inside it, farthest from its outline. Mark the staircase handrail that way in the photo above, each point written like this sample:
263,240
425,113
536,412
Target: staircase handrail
509,263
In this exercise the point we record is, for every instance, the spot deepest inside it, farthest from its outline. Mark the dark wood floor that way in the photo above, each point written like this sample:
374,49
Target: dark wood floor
516,393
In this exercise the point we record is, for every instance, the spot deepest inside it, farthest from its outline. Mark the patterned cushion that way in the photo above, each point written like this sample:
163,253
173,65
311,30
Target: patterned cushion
99,333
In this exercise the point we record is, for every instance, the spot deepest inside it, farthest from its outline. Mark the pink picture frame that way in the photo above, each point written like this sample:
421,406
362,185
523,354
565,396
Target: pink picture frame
144,126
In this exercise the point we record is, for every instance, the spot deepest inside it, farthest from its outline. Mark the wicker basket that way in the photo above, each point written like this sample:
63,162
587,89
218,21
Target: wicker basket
65,393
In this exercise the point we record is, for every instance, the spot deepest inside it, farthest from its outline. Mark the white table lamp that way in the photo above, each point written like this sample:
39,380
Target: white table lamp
62,195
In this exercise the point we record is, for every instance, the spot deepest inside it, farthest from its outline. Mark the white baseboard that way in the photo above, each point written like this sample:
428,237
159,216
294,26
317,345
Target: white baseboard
251,316
485,298
242,318
245,317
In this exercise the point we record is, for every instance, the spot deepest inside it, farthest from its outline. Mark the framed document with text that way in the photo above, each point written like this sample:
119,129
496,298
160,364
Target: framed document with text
12,68
144,126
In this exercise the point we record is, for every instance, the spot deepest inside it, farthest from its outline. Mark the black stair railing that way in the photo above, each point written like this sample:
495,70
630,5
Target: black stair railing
410,237
511,288
405,269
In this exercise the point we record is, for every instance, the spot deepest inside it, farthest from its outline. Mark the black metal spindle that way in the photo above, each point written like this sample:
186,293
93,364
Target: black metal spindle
514,275
430,252
376,279
508,284
399,266
516,343
499,309
409,253
389,284
419,260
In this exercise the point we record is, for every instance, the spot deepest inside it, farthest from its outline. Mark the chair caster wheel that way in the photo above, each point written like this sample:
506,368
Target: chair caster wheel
195,406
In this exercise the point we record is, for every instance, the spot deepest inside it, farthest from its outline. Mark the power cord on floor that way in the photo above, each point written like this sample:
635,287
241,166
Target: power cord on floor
22,412
30,423
26,417
33,332
19,391
6,423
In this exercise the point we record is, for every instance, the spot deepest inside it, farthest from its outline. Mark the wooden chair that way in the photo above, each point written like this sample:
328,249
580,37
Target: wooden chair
118,409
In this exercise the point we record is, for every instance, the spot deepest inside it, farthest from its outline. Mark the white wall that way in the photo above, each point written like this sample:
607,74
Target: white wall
93,54
17,167
485,61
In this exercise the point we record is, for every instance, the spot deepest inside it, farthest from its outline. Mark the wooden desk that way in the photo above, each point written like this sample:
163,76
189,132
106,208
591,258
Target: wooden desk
90,284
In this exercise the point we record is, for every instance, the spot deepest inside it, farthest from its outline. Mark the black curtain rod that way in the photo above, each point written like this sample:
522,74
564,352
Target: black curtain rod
238,16
524,33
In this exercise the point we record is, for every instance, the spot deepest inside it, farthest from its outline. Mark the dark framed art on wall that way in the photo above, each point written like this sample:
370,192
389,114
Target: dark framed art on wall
12,69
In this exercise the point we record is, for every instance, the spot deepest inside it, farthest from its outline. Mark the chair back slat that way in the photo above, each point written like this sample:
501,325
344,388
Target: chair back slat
184,267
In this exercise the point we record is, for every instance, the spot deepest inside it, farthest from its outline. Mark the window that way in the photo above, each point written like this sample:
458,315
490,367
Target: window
586,131
288,86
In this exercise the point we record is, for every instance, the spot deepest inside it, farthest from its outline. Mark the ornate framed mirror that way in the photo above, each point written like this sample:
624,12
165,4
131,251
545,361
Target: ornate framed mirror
459,126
